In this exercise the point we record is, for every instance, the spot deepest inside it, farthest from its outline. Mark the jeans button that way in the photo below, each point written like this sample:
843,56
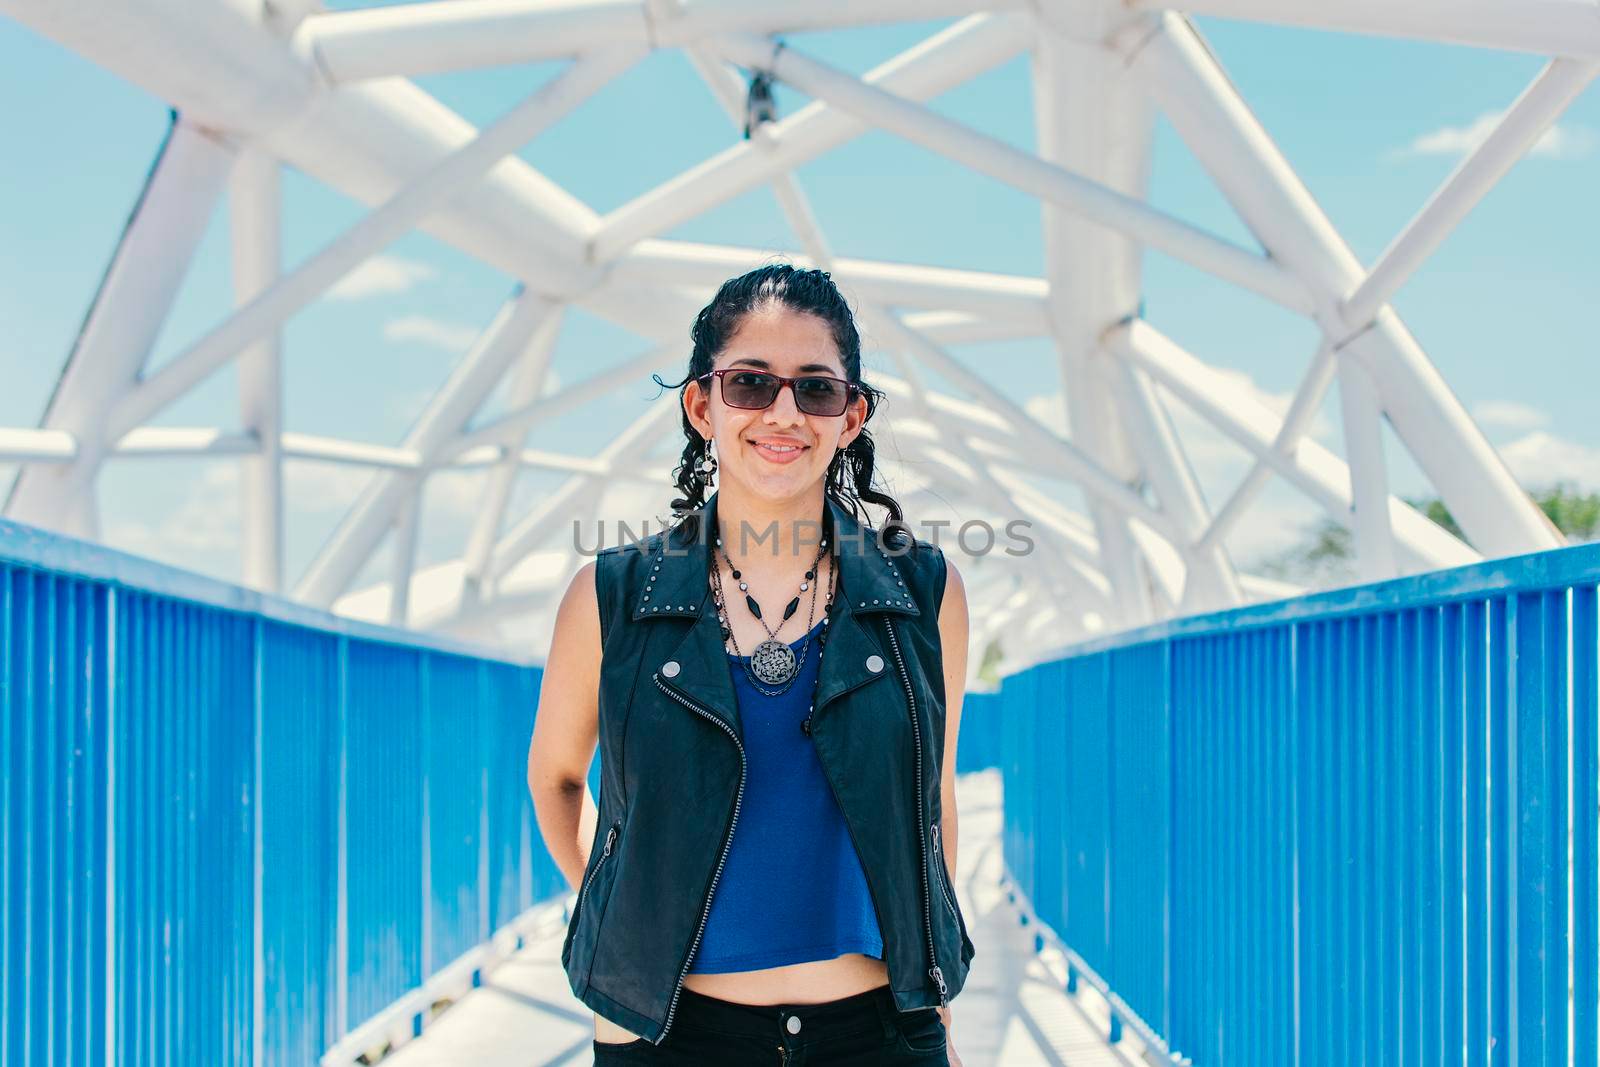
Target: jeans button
793,1025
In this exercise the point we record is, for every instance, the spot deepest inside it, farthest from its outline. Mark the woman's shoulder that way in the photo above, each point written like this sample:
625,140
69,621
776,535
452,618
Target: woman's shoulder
925,568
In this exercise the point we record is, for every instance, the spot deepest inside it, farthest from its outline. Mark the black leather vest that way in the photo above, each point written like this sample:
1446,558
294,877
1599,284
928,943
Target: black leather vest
673,769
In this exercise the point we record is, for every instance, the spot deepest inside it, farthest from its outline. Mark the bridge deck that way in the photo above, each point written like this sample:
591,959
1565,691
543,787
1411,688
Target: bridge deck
1013,1010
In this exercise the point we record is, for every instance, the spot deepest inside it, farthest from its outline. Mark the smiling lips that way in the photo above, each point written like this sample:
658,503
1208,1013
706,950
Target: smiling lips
778,450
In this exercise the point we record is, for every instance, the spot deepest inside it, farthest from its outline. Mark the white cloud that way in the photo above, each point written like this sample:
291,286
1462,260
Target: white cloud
380,276
205,521
1509,414
1557,142
1540,459
450,336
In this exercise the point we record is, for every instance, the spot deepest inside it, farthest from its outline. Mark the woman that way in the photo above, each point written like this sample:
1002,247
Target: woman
775,690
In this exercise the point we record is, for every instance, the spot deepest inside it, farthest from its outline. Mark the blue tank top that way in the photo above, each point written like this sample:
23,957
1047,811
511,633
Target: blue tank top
792,889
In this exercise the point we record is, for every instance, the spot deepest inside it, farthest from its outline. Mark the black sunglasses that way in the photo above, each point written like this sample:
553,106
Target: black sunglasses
814,394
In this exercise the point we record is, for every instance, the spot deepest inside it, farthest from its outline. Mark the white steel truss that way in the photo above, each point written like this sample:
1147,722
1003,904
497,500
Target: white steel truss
257,86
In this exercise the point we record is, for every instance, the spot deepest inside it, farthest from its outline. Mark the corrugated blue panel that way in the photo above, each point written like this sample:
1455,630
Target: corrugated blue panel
1140,828
1538,690
507,710
1585,826
455,783
54,721
212,843
1086,818
300,733
1368,819
385,872
183,760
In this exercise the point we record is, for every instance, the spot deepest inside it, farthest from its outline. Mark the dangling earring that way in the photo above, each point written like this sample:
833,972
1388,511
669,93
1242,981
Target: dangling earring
708,463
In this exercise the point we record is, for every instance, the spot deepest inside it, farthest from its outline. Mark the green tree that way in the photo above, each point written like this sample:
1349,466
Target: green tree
1327,555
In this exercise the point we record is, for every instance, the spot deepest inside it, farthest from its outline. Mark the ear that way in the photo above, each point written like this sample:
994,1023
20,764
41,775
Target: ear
855,417
696,402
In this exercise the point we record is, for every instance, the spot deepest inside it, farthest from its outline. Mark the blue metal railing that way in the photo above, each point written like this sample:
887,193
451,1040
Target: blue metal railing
232,829
1358,827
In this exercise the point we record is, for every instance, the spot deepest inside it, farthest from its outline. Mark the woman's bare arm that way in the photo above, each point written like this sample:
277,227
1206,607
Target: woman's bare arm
953,636
566,729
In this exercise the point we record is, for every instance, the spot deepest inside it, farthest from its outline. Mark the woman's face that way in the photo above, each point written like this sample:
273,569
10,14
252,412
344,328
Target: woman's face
779,452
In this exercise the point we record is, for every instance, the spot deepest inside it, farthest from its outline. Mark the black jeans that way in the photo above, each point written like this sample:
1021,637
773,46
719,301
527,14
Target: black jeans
860,1030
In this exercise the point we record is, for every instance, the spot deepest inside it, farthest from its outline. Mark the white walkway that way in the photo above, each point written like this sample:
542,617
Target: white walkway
1013,1010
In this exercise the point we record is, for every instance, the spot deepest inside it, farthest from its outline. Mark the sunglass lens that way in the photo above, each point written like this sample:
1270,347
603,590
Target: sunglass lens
820,396
749,389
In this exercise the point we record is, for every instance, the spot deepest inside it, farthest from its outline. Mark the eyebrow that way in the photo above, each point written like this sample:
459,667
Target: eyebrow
763,364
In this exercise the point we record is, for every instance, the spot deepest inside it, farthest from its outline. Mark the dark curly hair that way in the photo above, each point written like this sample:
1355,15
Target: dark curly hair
811,292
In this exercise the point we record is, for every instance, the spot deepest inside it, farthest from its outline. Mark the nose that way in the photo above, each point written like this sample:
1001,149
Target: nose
783,410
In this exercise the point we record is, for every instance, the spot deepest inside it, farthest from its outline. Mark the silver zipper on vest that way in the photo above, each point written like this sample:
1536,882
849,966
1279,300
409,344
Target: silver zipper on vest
583,891
727,843
922,839
944,885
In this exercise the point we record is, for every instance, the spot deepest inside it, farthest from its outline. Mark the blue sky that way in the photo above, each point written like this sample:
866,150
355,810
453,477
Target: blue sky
1505,308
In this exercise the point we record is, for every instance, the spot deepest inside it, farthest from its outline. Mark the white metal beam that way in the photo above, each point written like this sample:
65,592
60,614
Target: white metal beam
1210,582
659,263
124,319
1205,109
404,559
992,156
1296,423
471,382
944,60
223,66
444,35
1369,476
1089,120
634,440
513,425
254,203
1061,453
1547,27
1310,467
527,384
375,231
1533,113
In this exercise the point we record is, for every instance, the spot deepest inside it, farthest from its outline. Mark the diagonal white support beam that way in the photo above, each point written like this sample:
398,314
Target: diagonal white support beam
374,232
1296,423
975,474
944,60
628,446
1219,128
726,86
992,156
1369,475
444,35
255,202
471,382
1547,27
1210,582
526,386
1064,455
1310,467
513,425
226,66
1556,87
124,319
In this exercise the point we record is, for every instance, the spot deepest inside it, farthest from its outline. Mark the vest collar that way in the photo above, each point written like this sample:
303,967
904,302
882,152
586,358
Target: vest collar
697,665
678,582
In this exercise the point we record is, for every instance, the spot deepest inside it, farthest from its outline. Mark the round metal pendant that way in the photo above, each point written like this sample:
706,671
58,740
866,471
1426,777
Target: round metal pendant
773,662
